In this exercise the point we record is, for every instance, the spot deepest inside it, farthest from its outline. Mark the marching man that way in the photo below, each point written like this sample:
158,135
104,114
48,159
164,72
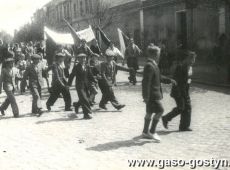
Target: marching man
152,92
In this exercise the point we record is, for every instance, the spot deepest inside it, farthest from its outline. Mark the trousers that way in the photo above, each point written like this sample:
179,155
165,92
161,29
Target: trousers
183,108
36,101
55,92
10,100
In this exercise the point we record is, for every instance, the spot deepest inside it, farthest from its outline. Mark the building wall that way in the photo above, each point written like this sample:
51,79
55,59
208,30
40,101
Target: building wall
160,23
127,18
206,28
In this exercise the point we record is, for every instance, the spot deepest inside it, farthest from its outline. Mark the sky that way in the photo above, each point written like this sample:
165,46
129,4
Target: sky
16,13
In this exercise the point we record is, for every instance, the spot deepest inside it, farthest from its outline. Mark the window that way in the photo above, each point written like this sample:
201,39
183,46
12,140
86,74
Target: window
60,13
222,20
87,6
68,10
81,8
65,12
91,6
75,10
57,11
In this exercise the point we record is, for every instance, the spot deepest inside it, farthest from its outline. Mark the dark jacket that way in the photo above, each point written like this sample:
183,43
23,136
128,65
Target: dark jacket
181,77
34,76
58,75
151,83
83,77
7,79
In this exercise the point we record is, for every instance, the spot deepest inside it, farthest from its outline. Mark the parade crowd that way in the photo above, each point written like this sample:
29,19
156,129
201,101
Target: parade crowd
24,67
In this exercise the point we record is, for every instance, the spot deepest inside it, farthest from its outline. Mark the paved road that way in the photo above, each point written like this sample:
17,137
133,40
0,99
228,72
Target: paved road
60,141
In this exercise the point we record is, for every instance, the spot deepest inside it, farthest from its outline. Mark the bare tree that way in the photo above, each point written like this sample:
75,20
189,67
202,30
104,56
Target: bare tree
5,37
103,14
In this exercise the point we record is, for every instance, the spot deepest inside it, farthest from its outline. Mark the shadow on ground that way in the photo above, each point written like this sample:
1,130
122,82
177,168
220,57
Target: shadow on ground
136,141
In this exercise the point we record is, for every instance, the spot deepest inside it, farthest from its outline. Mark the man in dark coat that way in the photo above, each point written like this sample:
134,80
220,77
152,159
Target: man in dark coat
131,54
34,74
84,48
180,93
152,92
83,76
59,84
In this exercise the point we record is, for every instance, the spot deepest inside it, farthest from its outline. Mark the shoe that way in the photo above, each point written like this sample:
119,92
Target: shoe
68,109
156,137
165,122
185,130
76,109
48,107
147,136
39,112
134,82
87,116
103,107
2,112
120,107
16,116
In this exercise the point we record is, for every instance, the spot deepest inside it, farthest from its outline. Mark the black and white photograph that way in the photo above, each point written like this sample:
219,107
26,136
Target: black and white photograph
114,84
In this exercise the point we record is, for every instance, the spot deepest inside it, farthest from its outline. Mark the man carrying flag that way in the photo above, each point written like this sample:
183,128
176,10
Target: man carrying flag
117,55
82,41
131,54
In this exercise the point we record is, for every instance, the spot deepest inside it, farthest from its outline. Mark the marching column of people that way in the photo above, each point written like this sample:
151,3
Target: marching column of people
89,74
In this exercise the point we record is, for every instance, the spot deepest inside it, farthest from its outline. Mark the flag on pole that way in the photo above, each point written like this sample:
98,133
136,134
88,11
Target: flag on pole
66,38
59,38
76,38
104,38
86,34
123,39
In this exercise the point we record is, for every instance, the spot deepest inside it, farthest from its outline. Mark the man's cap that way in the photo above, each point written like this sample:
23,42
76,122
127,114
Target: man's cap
60,55
96,55
22,55
81,55
35,56
109,53
18,50
83,40
9,60
153,47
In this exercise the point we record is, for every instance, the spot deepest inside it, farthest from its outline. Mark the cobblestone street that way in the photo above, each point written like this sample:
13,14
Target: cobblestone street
60,141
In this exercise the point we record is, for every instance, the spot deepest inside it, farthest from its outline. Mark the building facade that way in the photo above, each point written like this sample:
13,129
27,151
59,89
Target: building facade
194,23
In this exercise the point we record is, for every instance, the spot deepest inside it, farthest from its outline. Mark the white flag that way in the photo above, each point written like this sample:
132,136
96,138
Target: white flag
59,38
122,42
67,38
86,34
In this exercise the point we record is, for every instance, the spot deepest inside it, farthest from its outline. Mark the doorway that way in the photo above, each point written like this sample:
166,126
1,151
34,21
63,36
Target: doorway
181,28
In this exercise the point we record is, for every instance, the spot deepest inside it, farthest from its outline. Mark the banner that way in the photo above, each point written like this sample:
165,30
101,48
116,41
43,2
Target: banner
59,38
86,34
67,38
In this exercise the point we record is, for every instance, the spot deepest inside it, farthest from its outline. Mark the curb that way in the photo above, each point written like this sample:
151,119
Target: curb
211,83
